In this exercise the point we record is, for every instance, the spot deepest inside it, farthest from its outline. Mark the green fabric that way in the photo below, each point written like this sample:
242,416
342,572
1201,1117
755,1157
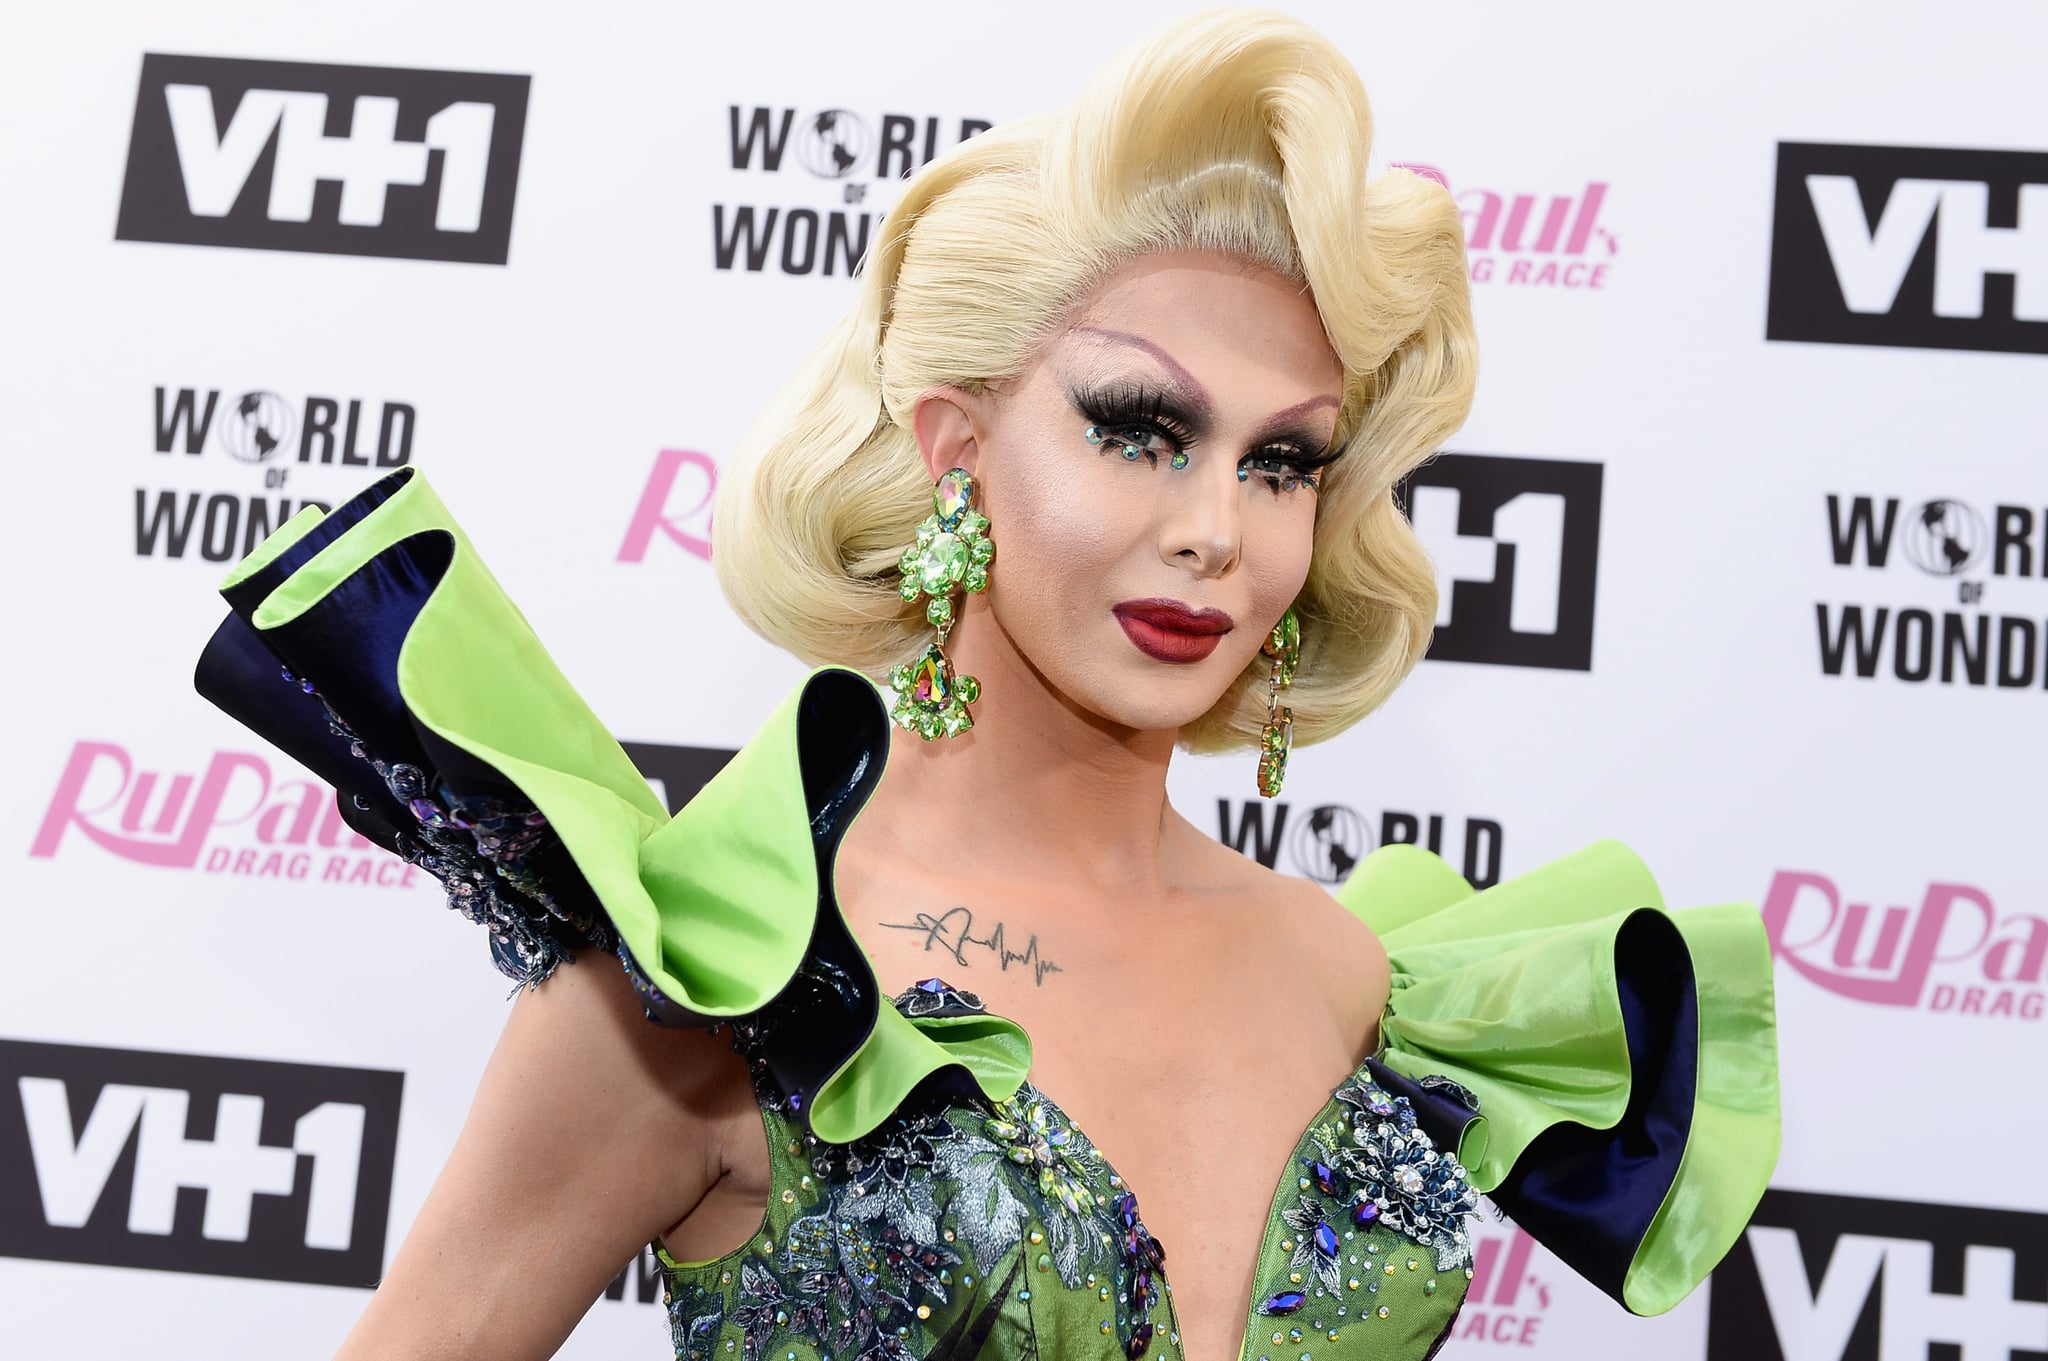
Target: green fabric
716,905
1511,992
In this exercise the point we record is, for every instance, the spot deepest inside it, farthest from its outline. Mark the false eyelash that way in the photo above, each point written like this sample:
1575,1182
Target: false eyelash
1124,406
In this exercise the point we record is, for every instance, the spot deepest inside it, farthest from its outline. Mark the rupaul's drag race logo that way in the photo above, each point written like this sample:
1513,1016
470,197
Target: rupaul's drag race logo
674,509
340,160
1533,240
1929,247
253,438
1508,1299
1953,951
239,816
844,165
1969,588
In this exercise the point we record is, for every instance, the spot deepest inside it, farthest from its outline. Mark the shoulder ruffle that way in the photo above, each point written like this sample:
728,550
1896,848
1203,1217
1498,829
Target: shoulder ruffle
415,686
1622,1058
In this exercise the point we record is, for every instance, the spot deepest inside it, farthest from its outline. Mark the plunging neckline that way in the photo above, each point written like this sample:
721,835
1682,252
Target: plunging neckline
1285,1181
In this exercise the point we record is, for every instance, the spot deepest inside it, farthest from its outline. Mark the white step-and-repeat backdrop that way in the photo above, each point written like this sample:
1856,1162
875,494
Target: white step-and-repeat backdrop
1744,556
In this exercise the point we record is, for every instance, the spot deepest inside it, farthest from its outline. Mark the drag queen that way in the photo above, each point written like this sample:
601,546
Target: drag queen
928,1029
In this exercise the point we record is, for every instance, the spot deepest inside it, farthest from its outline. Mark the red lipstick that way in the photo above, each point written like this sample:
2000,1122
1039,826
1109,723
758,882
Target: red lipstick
1168,631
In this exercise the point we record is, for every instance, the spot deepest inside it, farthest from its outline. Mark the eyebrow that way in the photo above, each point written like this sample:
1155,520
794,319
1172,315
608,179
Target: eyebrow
1193,385
1166,361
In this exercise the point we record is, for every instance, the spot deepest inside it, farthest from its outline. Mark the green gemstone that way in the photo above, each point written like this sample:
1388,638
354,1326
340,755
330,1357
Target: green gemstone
981,552
907,588
973,524
939,612
968,688
977,580
945,561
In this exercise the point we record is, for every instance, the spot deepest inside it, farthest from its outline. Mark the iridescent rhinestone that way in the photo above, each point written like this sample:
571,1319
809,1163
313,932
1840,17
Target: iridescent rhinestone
1141,1338
1429,1287
931,681
953,496
1045,1261
1408,1180
1294,1334
1324,1177
1383,1311
1286,1302
427,812
1326,1240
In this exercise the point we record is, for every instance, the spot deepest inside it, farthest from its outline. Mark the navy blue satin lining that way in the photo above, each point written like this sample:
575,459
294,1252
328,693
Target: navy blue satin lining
842,740
347,643
1589,1195
247,594
1442,1117
240,675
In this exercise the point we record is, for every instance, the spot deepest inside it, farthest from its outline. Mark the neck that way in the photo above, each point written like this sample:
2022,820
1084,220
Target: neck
1038,792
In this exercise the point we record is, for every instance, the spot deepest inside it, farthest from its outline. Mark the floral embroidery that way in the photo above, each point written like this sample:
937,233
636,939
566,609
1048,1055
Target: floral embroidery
905,1220
1372,1166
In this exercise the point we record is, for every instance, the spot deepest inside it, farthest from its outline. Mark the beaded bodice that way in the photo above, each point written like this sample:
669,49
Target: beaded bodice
996,1228
927,1200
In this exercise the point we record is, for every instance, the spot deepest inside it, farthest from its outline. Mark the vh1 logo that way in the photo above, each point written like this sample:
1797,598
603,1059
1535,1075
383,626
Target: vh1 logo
185,1162
1989,965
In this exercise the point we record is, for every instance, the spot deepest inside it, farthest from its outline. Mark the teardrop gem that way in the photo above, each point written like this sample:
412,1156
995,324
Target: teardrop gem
953,495
1365,1212
1326,1240
1141,1338
1325,1177
1286,1302
931,683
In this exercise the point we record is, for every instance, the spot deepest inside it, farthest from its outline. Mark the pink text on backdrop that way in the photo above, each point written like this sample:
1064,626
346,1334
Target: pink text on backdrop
235,818
1505,1303
1994,964
1507,239
654,513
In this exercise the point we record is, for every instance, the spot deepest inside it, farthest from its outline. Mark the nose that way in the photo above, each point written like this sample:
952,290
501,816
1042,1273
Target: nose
1201,527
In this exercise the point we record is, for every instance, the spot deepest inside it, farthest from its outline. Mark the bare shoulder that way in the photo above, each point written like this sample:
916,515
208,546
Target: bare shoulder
1333,946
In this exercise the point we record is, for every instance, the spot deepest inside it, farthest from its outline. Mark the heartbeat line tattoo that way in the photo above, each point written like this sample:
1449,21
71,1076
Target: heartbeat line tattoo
953,933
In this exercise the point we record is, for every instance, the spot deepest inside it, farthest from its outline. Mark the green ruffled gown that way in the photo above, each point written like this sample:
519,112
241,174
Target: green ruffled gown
1604,1069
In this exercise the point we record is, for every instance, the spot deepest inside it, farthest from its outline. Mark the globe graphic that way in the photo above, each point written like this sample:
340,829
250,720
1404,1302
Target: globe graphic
833,144
1328,843
1943,537
256,427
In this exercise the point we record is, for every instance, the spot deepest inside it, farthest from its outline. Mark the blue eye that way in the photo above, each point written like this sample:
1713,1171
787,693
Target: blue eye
1135,442
1280,473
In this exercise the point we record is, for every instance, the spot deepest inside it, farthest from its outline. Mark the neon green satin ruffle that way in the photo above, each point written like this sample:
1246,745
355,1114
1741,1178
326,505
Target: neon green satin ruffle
717,905
1512,992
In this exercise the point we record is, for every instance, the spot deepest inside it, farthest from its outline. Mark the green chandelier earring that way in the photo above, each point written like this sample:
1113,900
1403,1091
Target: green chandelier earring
1283,645
952,553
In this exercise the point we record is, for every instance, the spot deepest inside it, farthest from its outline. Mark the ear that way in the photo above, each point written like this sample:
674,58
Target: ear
946,429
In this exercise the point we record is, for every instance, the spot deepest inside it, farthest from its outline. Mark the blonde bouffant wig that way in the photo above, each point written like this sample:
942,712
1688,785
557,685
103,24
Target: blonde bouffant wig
1242,133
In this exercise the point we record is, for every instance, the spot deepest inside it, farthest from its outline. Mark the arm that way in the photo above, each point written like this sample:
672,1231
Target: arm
592,1132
